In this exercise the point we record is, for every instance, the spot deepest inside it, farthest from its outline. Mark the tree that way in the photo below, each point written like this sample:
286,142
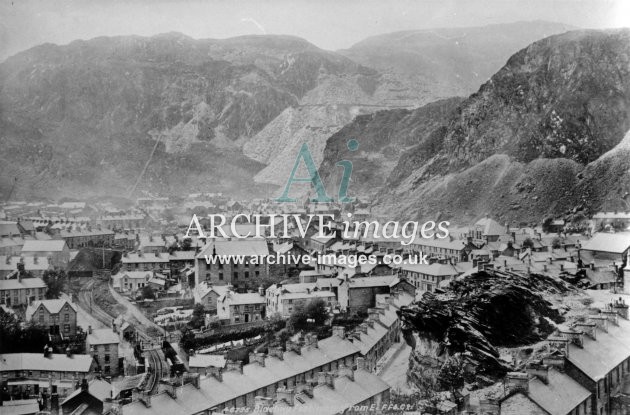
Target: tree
451,375
313,315
528,243
556,243
18,338
546,225
148,292
54,282
198,317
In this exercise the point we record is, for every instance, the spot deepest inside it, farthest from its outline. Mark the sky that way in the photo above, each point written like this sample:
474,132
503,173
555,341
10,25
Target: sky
329,24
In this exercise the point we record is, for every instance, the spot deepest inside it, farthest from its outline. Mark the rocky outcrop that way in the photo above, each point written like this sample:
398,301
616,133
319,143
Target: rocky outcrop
517,146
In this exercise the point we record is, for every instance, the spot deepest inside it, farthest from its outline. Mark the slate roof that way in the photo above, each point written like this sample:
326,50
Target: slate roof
53,245
608,242
37,361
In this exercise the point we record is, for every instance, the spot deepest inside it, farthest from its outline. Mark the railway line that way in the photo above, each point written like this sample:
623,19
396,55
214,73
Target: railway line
86,300
156,370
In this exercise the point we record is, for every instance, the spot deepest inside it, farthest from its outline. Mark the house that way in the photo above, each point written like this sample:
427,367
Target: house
131,281
595,352
124,240
615,220
228,262
359,293
428,277
58,316
77,238
91,398
544,390
44,373
207,294
486,230
204,363
178,260
11,246
102,344
237,308
56,250
140,261
21,291
152,244
239,385
34,265
284,299
9,229
20,407
607,246
456,250
320,243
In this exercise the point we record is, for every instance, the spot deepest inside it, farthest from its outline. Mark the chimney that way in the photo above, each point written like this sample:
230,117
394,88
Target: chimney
592,266
588,327
560,344
305,388
84,385
554,360
575,337
275,351
263,404
600,321
612,316
517,381
287,395
489,406
339,331
215,372
145,398
257,358
68,351
539,370
325,378
346,371
311,340
170,387
261,291
362,364
89,329
363,328
292,346
234,365
621,308
192,378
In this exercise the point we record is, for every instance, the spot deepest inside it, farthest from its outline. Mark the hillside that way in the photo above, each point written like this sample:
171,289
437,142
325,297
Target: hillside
421,66
84,118
517,146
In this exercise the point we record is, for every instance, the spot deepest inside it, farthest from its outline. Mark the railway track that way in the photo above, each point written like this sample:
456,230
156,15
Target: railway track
86,300
156,369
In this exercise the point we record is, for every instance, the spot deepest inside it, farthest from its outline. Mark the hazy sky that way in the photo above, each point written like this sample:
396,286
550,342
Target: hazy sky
330,24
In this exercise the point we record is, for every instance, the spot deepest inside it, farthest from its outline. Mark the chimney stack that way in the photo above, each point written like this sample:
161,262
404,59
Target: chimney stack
539,370
287,395
517,381
234,365
339,331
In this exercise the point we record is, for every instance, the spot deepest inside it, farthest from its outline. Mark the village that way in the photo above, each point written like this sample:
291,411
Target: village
108,307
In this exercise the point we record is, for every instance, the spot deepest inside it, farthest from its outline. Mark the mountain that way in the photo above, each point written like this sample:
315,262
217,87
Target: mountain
522,147
87,117
420,66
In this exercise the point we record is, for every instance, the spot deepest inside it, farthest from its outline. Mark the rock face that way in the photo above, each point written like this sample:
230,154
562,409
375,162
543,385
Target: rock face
86,117
517,146
420,66
480,313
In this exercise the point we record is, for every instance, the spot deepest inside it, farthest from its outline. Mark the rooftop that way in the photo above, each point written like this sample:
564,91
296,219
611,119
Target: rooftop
37,361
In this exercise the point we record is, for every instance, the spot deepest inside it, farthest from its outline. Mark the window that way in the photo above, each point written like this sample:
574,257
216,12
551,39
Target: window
221,276
257,274
66,317
107,347
246,274
106,369
106,358
66,328
236,275
220,265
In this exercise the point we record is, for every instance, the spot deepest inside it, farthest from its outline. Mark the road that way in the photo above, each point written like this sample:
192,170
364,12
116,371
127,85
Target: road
394,372
86,301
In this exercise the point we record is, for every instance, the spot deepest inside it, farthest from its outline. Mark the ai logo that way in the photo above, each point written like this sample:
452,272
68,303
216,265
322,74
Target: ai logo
316,181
